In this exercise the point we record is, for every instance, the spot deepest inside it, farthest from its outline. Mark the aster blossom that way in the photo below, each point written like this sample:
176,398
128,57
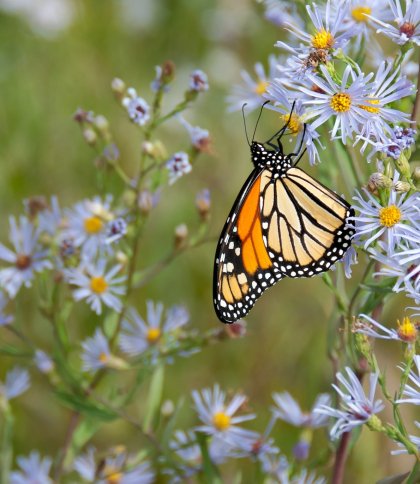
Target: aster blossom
251,91
137,108
17,382
138,335
406,332
33,469
328,33
288,409
88,226
407,22
178,165
219,417
97,285
356,407
27,258
346,101
400,218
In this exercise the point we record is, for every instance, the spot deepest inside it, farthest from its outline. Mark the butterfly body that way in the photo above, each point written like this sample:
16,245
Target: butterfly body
283,223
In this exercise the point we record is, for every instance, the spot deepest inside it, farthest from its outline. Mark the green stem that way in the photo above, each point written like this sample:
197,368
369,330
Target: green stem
6,447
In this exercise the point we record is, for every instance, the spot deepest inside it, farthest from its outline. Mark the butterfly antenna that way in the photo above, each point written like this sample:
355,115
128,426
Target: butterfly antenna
243,117
258,120
280,132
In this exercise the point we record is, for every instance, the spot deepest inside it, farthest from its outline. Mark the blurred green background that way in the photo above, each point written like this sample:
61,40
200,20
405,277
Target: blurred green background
50,66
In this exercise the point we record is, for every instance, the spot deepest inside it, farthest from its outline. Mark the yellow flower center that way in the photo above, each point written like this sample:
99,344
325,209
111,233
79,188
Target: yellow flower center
323,40
112,475
98,284
103,358
153,334
389,216
359,13
261,87
295,125
341,102
407,330
93,224
221,421
370,108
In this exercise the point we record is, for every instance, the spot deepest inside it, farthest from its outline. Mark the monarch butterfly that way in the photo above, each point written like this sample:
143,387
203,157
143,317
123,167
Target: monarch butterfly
283,223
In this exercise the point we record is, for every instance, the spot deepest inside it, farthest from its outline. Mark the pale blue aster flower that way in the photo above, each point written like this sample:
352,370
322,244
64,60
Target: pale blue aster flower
87,226
87,468
399,139
26,259
359,21
178,165
200,138
96,285
396,221
219,417
356,407
43,362
198,81
85,465
251,91
349,259
50,220
406,22
346,102
387,87
413,438
156,84
368,326
137,108
258,449
33,470
116,229
17,382
138,335
328,26
411,393
4,318
282,103
96,352
288,409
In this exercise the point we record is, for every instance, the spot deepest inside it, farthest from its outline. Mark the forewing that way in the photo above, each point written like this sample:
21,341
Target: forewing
305,224
243,268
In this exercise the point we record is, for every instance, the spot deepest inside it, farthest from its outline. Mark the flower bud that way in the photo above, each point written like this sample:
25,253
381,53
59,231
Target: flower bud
36,204
167,409
102,125
236,330
145,202
118,86
181,234
401,187
403,166
121,258
203,203
90,136
416,174
378,180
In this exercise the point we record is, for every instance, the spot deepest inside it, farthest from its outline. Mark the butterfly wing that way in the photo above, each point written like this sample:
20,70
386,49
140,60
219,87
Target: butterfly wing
305,224
243,268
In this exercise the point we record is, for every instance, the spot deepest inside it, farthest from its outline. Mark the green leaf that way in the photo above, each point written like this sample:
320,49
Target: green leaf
397,479
154,400
110,324
85,407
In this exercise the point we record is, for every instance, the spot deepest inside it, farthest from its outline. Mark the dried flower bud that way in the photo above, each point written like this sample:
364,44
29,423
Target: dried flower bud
203,203
145,201
81,116
118,86
401,186
236,330
90,136
167,409
36,204
378,180
181,234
